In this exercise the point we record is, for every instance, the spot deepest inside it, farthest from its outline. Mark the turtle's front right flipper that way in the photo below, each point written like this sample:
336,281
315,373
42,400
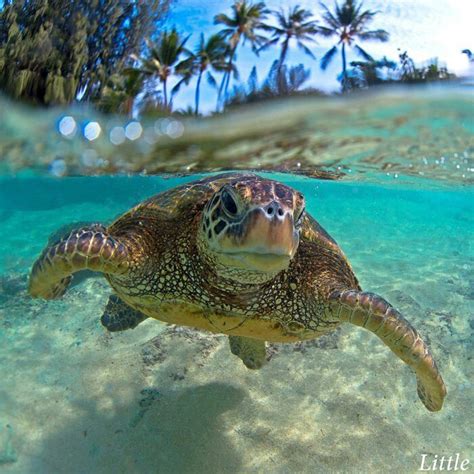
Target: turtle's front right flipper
86,248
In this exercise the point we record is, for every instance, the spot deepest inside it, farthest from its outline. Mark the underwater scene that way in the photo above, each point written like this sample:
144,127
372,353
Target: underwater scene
390,181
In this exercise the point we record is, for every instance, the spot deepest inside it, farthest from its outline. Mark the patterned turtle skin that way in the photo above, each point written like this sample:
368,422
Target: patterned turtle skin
234,254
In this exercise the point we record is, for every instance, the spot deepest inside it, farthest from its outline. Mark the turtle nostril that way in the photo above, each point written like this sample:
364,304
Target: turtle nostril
280,211
270,211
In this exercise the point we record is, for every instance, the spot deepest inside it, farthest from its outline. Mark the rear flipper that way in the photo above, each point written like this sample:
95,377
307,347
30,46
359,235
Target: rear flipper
86,248
372,312
251,351
118,316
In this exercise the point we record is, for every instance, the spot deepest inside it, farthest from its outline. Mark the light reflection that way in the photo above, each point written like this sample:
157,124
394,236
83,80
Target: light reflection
133,130
117,135
92,131
58,167
163,124
67,126
89,157
150,135
174,129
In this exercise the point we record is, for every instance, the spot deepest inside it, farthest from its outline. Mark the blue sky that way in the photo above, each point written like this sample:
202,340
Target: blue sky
426,28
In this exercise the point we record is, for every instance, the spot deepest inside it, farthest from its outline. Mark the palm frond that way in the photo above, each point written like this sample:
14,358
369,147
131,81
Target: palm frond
361,19
329,18
328,57
269,43
305,49
211,80
363,53
223,19
374,35
324,31
175,89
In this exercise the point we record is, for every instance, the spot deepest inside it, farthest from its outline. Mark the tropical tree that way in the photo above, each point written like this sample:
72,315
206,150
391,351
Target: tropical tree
279,82
54,51
121,91
209,55
369,73
284,80
410,73
296,25
243,25
164,60
348,22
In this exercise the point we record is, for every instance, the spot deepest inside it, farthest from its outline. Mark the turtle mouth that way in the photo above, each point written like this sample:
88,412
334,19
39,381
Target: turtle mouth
258,261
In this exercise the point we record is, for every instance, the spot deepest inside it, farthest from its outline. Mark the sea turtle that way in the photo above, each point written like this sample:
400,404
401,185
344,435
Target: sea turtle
234,254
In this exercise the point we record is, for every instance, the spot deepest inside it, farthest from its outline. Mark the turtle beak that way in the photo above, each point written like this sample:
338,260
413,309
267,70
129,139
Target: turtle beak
272,234
265,240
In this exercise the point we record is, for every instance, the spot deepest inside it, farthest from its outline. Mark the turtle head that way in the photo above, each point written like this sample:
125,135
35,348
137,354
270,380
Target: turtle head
250,228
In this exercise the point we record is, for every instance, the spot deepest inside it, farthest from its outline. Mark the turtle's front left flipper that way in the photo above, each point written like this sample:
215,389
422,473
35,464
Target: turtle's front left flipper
89,247
372,312
118,316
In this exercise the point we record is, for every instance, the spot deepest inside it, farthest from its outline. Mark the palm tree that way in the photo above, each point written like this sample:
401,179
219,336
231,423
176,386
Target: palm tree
164,59
348,22
368,73
295,24
246,19
121,90
210,54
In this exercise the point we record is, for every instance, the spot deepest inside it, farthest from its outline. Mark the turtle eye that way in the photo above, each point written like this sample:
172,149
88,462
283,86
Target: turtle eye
230,206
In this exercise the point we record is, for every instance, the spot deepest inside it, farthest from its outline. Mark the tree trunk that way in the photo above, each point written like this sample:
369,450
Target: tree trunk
198,85
281,61
284,51
229,72
226,79
344,66
165,94
129,107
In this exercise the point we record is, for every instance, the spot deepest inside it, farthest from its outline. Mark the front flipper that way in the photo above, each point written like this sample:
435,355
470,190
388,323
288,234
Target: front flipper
118,316
251,351
86,248
372,312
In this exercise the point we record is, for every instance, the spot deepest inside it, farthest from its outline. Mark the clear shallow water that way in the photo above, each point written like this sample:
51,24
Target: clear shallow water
166,399
399,201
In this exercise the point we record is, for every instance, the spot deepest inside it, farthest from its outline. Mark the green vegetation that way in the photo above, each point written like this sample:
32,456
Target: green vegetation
411,74
209,56
295,25
121,90
52,51
369,73
247,18
164,60
118,56
281,81
348,23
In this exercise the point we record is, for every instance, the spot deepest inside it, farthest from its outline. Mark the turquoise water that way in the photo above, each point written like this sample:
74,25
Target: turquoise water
157,399
77,399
